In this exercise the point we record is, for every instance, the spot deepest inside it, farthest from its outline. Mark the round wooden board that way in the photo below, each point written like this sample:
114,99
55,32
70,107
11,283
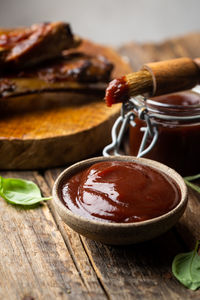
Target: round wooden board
50,130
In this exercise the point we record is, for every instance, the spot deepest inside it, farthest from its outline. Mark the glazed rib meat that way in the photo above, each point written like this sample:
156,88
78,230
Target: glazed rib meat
47,58
75,66
75,71
26,47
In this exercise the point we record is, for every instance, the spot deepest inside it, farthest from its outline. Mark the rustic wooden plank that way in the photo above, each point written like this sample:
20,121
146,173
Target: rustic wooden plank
139,271
73,242
139,54
136,58
189,225
35,263
131,272
187,45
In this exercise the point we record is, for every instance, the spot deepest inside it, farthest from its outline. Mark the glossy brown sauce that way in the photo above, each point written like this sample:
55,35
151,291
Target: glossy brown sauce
117,91
178,144
116,191
182,98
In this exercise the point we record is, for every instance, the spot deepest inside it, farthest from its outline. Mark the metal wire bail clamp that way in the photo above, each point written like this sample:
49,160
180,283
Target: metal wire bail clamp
134,107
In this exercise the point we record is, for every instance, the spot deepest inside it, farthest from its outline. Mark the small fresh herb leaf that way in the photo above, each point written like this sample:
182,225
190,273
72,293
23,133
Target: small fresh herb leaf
191,178
193,186
186,268
20,191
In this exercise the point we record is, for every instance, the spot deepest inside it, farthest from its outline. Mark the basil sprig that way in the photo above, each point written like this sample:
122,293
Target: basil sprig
20,191
186,268
192,185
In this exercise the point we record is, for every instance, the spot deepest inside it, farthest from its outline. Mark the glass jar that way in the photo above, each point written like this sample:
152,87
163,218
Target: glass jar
176,120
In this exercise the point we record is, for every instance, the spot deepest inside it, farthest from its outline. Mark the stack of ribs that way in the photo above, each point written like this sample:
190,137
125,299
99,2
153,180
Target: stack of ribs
49,58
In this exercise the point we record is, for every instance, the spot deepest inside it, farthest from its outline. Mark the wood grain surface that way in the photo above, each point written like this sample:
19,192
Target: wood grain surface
41,258
48,130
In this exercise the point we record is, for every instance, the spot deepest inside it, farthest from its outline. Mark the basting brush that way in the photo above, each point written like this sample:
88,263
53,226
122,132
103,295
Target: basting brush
154,79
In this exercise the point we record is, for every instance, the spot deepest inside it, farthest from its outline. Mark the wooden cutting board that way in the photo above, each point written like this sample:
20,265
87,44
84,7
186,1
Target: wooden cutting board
49,130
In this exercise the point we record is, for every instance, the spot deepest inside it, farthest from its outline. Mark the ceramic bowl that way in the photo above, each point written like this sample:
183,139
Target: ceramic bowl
120,233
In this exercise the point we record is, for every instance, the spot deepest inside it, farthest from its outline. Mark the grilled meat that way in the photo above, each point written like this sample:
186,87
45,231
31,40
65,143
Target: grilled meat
43,58
26,47
74,72
75,66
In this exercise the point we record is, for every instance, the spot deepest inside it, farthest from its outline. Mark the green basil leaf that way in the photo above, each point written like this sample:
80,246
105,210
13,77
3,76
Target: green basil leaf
193,186
20,191
186,268
191,178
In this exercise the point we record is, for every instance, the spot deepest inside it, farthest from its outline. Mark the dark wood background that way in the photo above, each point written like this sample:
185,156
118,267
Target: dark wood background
41,258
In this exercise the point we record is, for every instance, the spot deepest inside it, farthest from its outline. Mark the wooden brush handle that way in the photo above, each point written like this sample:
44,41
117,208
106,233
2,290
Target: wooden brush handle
174,75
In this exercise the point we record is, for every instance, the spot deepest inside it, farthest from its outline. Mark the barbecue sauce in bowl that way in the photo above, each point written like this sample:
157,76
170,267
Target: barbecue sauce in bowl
120,192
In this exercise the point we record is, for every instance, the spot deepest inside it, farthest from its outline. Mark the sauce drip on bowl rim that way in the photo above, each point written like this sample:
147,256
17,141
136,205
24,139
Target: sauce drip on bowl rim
119,191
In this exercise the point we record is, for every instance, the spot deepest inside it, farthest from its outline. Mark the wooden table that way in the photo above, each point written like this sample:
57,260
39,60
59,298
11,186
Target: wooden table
41,258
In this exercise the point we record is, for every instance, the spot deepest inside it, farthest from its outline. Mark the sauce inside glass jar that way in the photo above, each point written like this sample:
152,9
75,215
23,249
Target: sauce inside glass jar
178,144
119,191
